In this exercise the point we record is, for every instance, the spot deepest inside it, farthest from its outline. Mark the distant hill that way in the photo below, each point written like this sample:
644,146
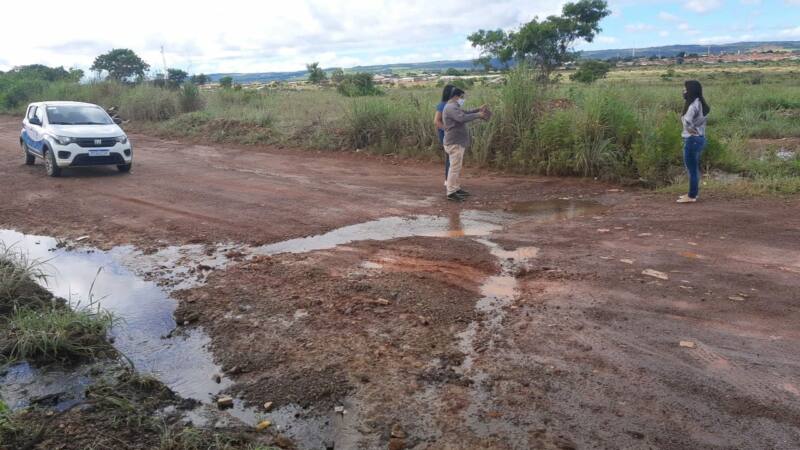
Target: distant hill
667,50
672,50
402,68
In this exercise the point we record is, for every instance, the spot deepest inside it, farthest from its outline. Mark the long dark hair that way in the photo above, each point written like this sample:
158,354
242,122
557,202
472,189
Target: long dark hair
456,92
694,90
446,92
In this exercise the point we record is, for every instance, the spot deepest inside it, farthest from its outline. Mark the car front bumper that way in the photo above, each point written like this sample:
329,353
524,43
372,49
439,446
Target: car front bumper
73,155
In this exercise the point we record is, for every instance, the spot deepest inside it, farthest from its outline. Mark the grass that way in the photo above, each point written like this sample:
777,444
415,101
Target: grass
18,281
57,332
35,326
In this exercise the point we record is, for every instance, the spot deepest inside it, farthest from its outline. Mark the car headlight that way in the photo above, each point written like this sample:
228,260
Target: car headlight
64,140
122,139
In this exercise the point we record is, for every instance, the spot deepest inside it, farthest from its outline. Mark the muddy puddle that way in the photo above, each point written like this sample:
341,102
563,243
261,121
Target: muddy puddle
136,287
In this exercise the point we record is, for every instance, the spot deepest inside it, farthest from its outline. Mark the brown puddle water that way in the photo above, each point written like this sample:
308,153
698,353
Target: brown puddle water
184,363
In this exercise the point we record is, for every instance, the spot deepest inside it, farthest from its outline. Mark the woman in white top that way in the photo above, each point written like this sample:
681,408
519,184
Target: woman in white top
694,115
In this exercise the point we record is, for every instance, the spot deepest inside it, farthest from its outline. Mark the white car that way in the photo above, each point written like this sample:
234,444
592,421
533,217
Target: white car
73,134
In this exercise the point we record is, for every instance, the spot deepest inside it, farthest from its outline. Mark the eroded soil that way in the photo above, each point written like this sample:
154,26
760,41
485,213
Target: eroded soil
584,354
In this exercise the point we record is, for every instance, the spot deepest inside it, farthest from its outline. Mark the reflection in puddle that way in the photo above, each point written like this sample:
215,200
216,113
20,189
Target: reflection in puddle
557,209
468,223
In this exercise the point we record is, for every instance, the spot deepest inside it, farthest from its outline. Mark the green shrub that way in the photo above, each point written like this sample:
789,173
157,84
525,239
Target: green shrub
143,102
590,71
55,333
226,82
189,98
657,154
358,85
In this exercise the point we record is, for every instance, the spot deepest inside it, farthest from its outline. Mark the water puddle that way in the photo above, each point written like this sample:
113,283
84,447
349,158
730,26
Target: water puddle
135,287
557,209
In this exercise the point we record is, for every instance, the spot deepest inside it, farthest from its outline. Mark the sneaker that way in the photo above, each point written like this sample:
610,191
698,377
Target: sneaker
454,197
686,199
462,193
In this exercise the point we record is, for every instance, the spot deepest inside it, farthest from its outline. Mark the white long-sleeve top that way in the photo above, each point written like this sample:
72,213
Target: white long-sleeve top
694,122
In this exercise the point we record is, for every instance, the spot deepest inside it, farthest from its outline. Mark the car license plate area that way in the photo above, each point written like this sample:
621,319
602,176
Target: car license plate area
98,152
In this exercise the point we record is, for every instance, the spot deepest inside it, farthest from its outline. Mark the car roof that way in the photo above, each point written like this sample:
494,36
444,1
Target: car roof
64,103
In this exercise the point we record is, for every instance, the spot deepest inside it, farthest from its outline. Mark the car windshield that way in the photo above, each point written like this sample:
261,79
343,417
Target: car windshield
77,115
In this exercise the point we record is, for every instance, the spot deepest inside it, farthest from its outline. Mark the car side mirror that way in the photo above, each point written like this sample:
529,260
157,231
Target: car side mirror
34,121
117,120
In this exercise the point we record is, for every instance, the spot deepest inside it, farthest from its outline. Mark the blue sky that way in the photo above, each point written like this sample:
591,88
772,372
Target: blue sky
270,35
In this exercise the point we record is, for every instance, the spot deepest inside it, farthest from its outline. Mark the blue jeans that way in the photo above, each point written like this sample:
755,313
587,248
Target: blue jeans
692,149
446,156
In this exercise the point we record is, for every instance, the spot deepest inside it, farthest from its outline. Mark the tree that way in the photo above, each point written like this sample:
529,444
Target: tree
226,82
315,74
200,79
454,72
122,64
337,76
41,72
75,74
545,44
358,85
176,77
590,71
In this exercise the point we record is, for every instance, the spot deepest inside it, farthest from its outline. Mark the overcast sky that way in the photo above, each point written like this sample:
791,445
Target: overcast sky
237,36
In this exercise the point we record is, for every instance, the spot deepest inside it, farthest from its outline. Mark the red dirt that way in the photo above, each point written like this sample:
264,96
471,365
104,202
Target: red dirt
587,355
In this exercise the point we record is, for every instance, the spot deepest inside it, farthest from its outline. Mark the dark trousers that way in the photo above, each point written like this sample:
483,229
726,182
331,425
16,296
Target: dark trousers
692,149
446,156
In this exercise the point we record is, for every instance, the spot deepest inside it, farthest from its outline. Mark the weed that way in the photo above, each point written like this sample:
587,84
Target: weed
56,332
18,281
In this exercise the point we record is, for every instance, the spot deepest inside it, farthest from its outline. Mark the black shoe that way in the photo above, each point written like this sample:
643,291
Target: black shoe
462,193
454,197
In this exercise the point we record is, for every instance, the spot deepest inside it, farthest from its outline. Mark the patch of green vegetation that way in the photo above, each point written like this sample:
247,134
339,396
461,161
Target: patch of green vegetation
35,326
56,333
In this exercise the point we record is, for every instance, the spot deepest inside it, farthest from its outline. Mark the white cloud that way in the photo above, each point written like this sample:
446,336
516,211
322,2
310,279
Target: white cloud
606,39
240,36
716,40
638,27
663,33
791,32
665,16
702,6
751,2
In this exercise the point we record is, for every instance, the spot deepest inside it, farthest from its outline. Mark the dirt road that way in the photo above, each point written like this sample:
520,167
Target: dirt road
527,323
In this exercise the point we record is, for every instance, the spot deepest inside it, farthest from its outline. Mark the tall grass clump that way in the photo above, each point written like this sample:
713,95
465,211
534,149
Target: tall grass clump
56,332
149,103
189,98
19,281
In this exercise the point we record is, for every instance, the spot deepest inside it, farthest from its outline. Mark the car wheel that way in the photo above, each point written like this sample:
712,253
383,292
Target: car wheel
29,159
50,164
124,168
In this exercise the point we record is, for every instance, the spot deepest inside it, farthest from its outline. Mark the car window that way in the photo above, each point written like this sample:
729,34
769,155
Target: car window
39,114
31,112
77,115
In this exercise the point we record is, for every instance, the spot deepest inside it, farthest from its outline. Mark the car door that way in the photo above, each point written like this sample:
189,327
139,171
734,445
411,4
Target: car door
35,131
